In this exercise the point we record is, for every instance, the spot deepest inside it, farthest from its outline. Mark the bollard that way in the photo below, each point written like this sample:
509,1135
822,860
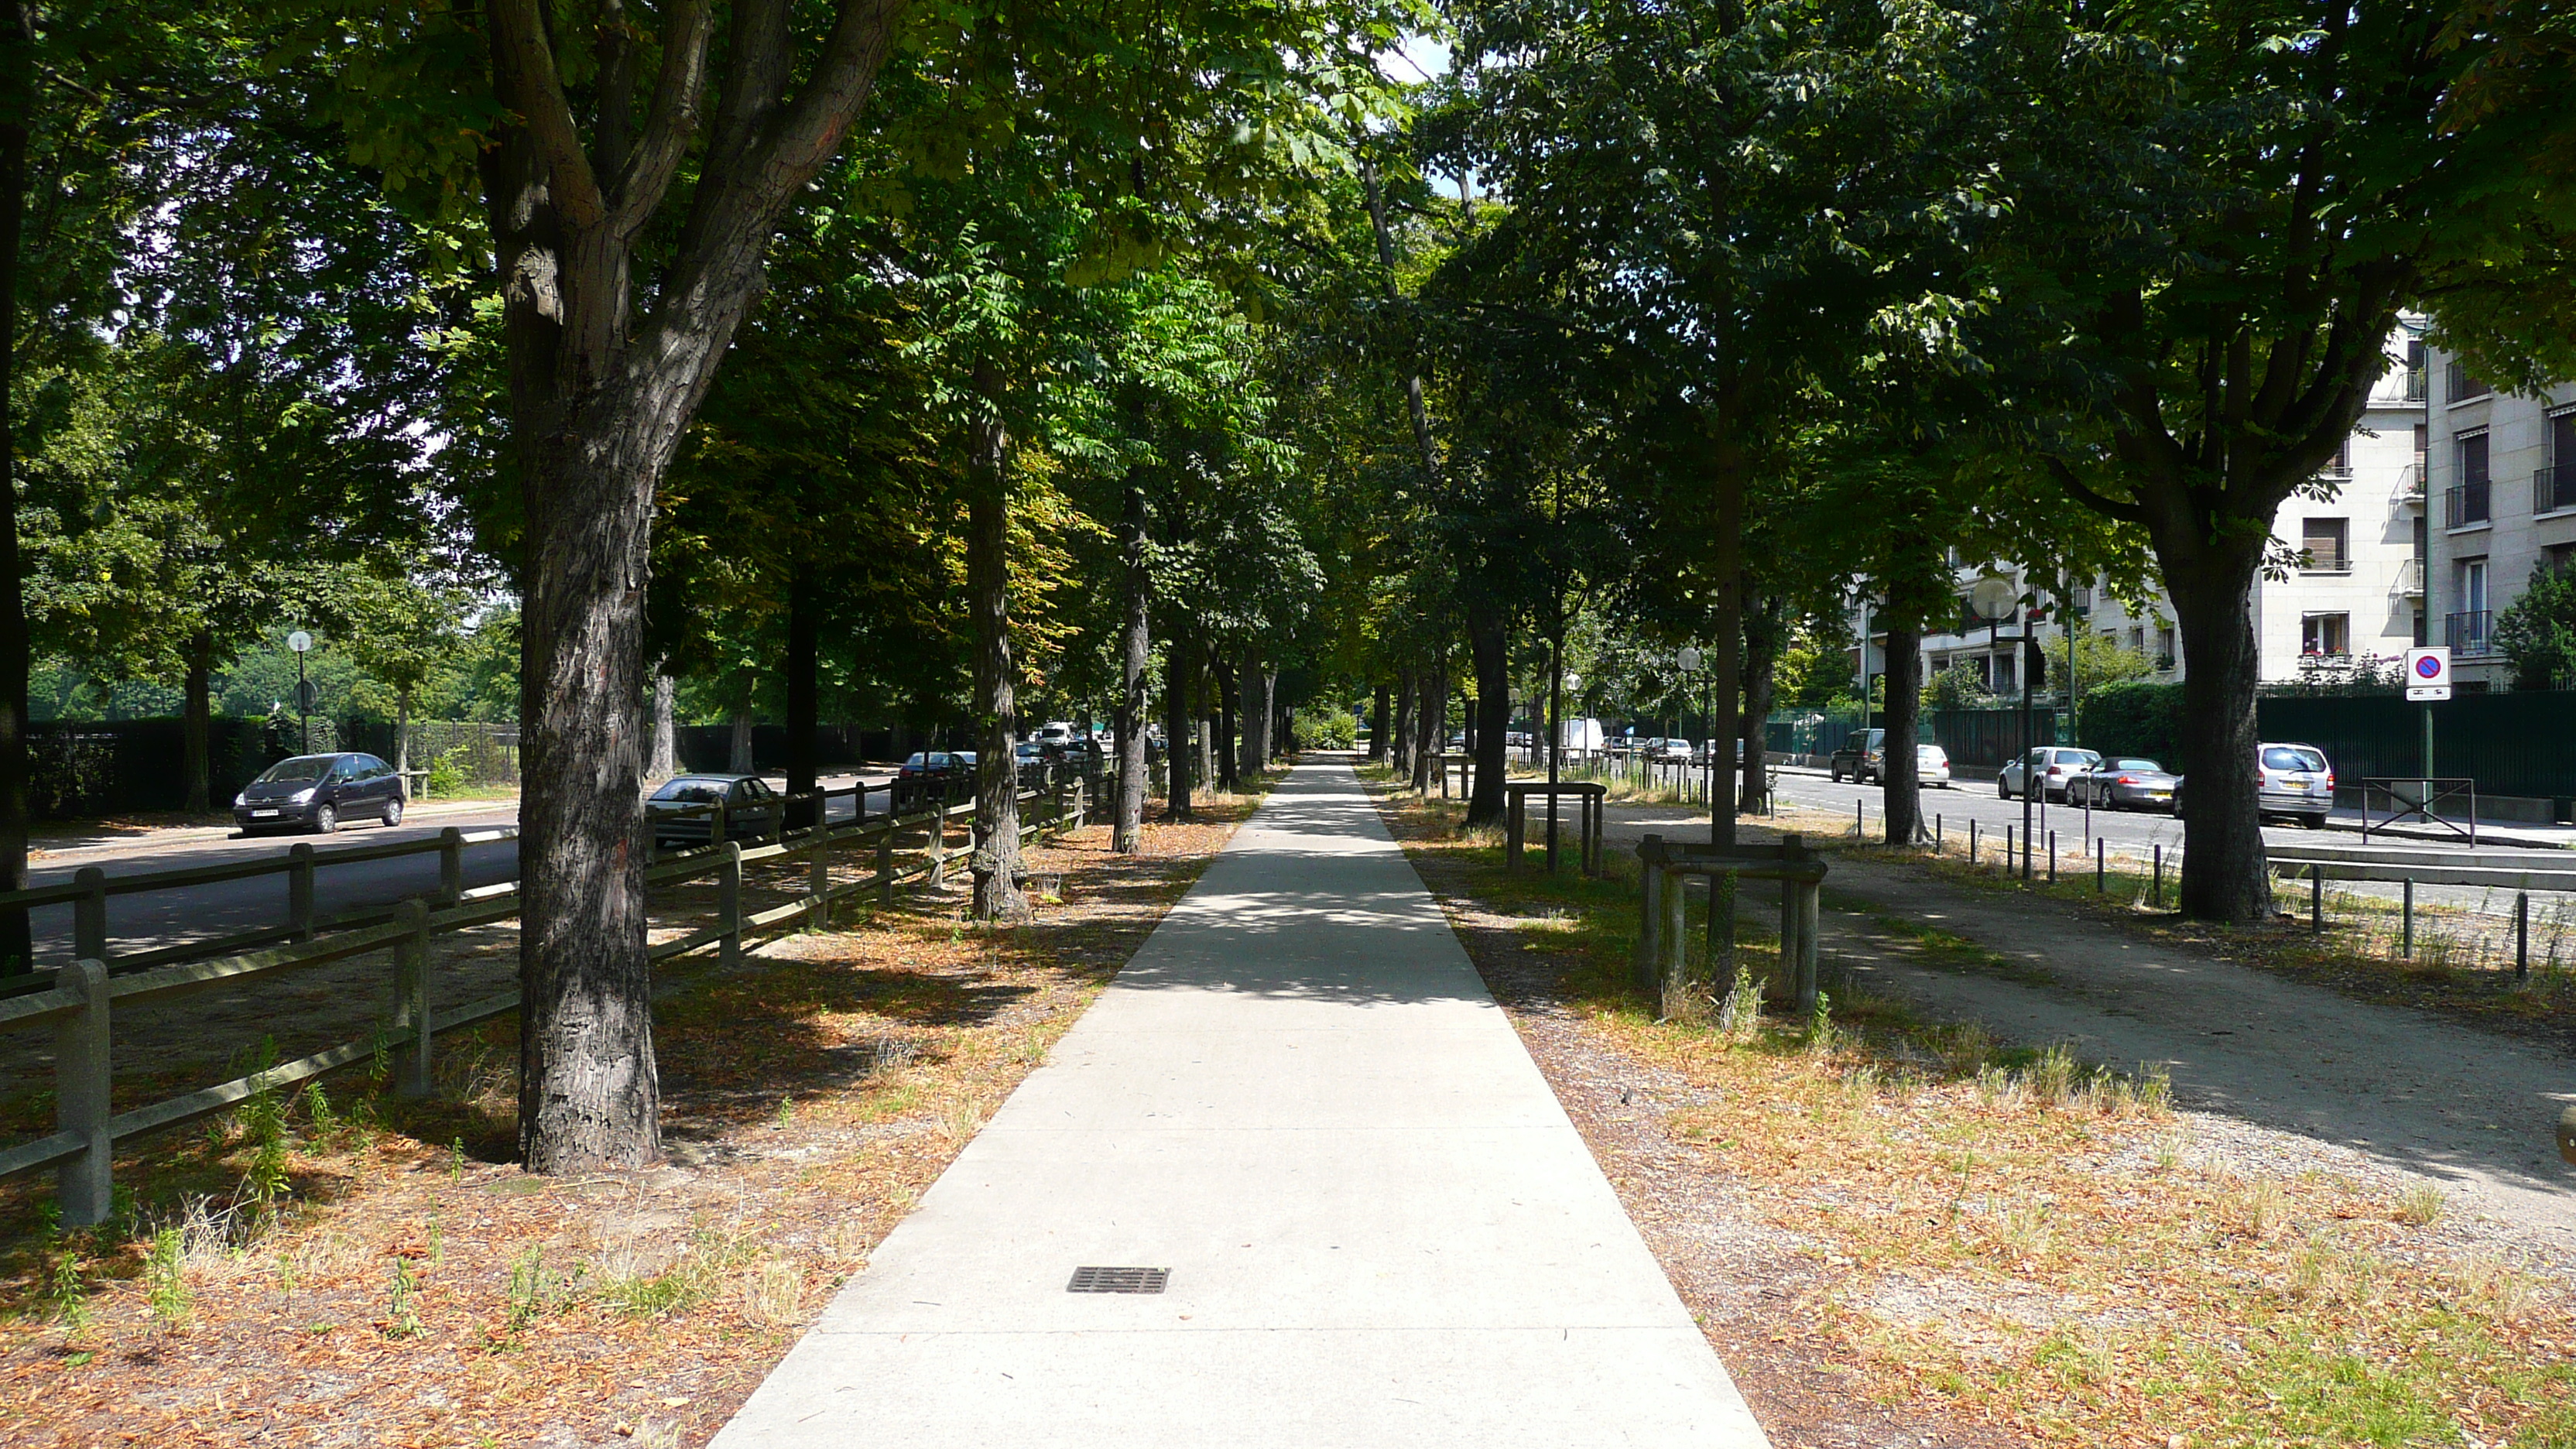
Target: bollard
1972,841
411,998
89,915
2052,857
2406,945
2101,866
2522,936
2316,900
299,890
82,1186
2009,867
729,904
1936,833
2158,899
451,863
1860,830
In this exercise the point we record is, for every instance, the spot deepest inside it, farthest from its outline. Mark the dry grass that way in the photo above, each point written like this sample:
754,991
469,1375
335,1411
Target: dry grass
410,1286
2030,1241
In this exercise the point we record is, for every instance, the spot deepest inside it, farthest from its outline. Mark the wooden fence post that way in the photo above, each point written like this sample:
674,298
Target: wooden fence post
411,989
1673,937
89,915
819,915
81,1095
937,843
885,866
299,890
1650,909
729,904
451,865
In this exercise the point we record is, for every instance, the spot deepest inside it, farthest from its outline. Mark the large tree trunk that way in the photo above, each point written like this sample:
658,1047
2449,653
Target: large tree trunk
1135,643
1378,741
1900,793
1228,711
1762,637
1489,643
1255,742
996,861
598,401
18,82
1177,749
1726,569
2226,875
738,752
196,707
664,762
804,650
1430,727
1400,751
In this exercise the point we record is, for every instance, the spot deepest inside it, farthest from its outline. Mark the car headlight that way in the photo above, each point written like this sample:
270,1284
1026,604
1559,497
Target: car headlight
240,800
300,796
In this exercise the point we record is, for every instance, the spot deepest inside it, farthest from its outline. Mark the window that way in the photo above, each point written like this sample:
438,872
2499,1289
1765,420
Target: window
2459,386
2415,369
2559,558
2555,486
2004,681
2321,547
2325,634
2423,436
2341,467
2465,630
2467,504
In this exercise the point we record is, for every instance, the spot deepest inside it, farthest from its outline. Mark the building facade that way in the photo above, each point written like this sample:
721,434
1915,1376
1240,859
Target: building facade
2501,503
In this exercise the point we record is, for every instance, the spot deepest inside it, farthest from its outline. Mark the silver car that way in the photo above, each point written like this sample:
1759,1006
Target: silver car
2289,779
2055,765
678,814
2124,782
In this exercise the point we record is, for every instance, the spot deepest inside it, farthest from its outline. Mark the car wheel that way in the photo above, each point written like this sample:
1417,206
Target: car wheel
1836,771
2002,790
2313,822
326,820
393,813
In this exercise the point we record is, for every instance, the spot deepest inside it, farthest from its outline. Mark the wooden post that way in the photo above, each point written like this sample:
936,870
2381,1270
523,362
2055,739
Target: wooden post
819,855
1810,920
299,890
885,865
937,843
1515,804
412,998
1650,853
81,1095
1673,939
451,866
729,904
89,915
716,823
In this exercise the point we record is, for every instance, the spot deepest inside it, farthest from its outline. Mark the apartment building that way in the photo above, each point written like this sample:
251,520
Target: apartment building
2501,503
2353,562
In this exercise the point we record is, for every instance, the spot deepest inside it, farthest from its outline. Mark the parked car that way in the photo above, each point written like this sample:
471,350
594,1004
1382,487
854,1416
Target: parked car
1860,756
2125,782
2053,764
931,765
2289,779
1056,734
1032,758
1932,766
676,816
317,792
1675,750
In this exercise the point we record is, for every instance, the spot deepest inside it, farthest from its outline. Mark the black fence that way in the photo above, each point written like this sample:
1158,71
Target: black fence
2511,744
83,770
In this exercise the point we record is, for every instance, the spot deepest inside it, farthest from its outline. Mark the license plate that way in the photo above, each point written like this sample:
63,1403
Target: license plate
262,814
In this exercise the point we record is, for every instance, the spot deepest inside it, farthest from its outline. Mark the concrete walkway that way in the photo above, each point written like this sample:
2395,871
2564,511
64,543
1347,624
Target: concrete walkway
1380,1227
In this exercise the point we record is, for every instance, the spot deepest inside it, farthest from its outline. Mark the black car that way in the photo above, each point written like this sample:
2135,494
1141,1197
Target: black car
317,792
678,816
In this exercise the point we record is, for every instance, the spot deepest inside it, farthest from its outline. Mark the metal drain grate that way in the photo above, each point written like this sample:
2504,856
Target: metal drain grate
1118,1280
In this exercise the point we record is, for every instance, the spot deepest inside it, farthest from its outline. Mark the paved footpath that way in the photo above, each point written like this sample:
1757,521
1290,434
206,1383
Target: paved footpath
1380,1227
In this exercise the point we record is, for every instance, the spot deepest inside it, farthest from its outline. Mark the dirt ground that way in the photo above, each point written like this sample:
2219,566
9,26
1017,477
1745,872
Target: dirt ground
2357,1087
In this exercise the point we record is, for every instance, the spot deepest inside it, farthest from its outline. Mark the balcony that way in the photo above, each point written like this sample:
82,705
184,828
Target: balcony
2410,485
2415,384
2467,505
2470,633
2316,561
2410,578
2554,488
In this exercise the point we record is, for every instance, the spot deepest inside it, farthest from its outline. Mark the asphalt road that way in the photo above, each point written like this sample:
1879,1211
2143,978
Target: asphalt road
157,918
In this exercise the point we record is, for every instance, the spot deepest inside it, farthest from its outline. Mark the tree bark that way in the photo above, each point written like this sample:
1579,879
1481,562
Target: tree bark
996,861
1177,750
1762,631
1726,570
1377,749
2225,870
738,755
804,648
197,721
18,84
1401,750
1431,726
1253,746
1135,642
1228,711
664,761
1489,642
1900,784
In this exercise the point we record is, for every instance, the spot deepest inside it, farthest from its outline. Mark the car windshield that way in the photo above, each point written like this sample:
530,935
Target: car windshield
1930,752
302,767
2137,765
2078,757
917,761
2282,757
692,792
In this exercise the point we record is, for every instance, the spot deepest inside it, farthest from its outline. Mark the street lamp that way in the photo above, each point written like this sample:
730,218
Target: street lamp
1994,600
300,642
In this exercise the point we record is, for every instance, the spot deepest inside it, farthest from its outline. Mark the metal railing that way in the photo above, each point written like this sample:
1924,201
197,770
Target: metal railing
2471,632
2313,562
79,1001
2554,487
2468,504
2410,486
2410,578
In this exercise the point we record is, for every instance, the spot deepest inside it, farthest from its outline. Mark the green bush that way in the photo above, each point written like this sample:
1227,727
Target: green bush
2539,632
1329,727
449,773
2135,717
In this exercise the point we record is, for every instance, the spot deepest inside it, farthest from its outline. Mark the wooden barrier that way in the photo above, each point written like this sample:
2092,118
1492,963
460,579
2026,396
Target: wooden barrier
1590,798
1662,956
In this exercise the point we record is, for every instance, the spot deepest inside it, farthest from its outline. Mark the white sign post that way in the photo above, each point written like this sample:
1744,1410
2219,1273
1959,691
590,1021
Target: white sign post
2428,673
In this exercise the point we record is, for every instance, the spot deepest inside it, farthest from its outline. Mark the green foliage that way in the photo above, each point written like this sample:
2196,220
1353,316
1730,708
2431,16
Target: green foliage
1957,687
2538,632
2136,717
1325,726
165,1281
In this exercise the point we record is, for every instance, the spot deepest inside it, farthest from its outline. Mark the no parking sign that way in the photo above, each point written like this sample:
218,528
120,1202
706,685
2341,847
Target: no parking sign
2428,674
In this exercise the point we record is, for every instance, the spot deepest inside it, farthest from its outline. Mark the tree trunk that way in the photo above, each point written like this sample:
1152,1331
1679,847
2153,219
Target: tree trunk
996,861
2226,875
1377,749
197,716
1254,745
1177,762
1762,631
1901,786
1726,667
1489,642
738,756
804,630
1431,727
665,760
1400,751
1135,642
18,82
1228,711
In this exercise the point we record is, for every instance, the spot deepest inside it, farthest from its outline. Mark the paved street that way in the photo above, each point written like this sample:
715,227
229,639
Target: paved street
137,922
1379,1226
